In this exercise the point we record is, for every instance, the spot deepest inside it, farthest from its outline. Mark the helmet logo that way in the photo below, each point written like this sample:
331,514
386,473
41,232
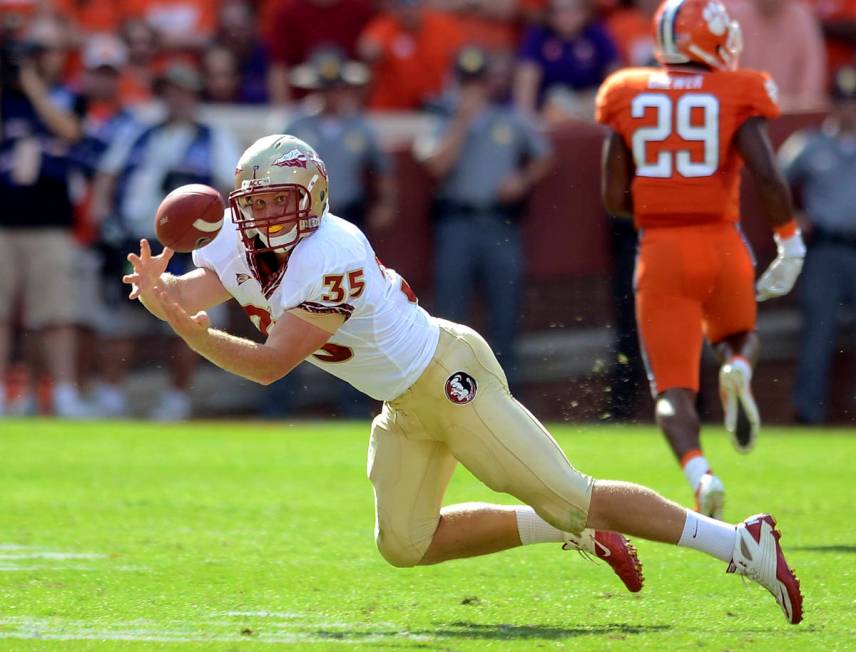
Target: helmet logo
716,18
292,159
461,388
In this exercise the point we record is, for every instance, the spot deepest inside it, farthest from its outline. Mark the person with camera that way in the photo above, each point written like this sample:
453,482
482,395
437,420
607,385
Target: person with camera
40,121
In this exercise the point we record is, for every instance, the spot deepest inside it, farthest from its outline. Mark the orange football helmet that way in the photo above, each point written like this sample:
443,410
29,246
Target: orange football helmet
697,30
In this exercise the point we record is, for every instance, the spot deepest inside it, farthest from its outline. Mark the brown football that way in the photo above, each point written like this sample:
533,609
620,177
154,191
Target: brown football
189,217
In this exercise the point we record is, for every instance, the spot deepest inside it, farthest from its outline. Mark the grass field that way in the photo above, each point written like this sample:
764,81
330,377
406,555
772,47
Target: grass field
234,536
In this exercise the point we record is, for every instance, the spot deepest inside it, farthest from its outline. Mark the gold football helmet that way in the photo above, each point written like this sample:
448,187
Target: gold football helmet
280,194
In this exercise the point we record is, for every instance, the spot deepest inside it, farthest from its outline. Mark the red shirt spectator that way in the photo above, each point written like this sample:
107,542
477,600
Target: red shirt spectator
93,16
838,18
489,24
631,31
182,25
301,26
411,50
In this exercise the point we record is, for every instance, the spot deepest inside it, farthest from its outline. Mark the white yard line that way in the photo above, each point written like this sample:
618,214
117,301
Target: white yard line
216,631
52,555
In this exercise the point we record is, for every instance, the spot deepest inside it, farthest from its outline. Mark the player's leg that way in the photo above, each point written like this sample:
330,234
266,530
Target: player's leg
729,320
504,446
671,338
751,547
409,474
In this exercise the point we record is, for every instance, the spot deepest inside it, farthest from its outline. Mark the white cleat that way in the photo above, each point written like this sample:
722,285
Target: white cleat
742,419
710,496
758,556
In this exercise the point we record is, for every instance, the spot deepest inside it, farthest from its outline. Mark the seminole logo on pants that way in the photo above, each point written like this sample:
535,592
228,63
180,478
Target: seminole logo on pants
461,388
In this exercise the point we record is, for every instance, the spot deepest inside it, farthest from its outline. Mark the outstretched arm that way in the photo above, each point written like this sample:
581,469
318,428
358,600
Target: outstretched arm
753,143
617,170
197,290
290,341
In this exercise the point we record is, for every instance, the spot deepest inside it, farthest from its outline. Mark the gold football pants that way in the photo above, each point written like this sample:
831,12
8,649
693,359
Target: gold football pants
460,410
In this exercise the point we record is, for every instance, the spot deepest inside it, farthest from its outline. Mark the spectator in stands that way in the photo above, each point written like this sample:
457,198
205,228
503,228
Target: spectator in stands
183,26
237,32
629,26
838,21
487,157
563,63
105,120
143,48
301,26
799,69
138,171
822,164
489,24
410,49
332,122
92,16
40,122
220,75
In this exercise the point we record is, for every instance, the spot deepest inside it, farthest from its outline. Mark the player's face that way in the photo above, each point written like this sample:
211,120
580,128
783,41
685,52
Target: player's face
272,206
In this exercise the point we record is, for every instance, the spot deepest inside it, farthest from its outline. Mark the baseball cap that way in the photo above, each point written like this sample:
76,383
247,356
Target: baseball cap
104,51
471,63
328,67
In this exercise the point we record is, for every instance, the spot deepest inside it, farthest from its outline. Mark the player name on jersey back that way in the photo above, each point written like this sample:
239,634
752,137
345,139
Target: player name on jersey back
386,340
679,124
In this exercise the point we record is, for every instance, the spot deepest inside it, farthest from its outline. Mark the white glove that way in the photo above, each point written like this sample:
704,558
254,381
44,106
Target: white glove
782,273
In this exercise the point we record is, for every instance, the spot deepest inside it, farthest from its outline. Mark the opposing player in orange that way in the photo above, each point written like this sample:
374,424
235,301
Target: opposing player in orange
679,136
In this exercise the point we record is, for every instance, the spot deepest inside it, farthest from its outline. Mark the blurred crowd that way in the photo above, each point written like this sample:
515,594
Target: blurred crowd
100,105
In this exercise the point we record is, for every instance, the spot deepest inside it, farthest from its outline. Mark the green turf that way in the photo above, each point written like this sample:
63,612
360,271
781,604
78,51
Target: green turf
233,536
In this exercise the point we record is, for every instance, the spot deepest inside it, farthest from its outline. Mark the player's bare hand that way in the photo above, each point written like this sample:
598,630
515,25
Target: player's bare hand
191,328
147,269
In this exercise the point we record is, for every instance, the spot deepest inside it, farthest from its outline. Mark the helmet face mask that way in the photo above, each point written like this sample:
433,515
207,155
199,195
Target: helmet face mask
280,198
278,216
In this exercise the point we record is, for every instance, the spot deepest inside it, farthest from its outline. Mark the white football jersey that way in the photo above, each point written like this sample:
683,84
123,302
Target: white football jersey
387,340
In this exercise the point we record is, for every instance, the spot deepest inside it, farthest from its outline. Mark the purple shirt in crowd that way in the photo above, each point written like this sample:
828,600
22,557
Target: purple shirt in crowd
580,64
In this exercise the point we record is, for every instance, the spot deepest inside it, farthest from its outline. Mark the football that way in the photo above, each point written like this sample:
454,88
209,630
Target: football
189,217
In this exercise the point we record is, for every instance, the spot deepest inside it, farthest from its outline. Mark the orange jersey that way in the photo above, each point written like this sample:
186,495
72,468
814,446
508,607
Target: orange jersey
680,126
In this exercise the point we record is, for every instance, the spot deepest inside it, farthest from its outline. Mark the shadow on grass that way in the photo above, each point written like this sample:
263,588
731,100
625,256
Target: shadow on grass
847,549
480,631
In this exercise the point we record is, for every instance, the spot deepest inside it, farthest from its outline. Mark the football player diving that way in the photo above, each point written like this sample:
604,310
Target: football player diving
311,283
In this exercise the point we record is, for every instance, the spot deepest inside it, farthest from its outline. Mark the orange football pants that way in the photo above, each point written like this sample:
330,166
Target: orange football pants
691,282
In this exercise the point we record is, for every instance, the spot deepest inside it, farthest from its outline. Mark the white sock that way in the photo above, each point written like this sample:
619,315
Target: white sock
739,362
534,529
708,535
694,469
